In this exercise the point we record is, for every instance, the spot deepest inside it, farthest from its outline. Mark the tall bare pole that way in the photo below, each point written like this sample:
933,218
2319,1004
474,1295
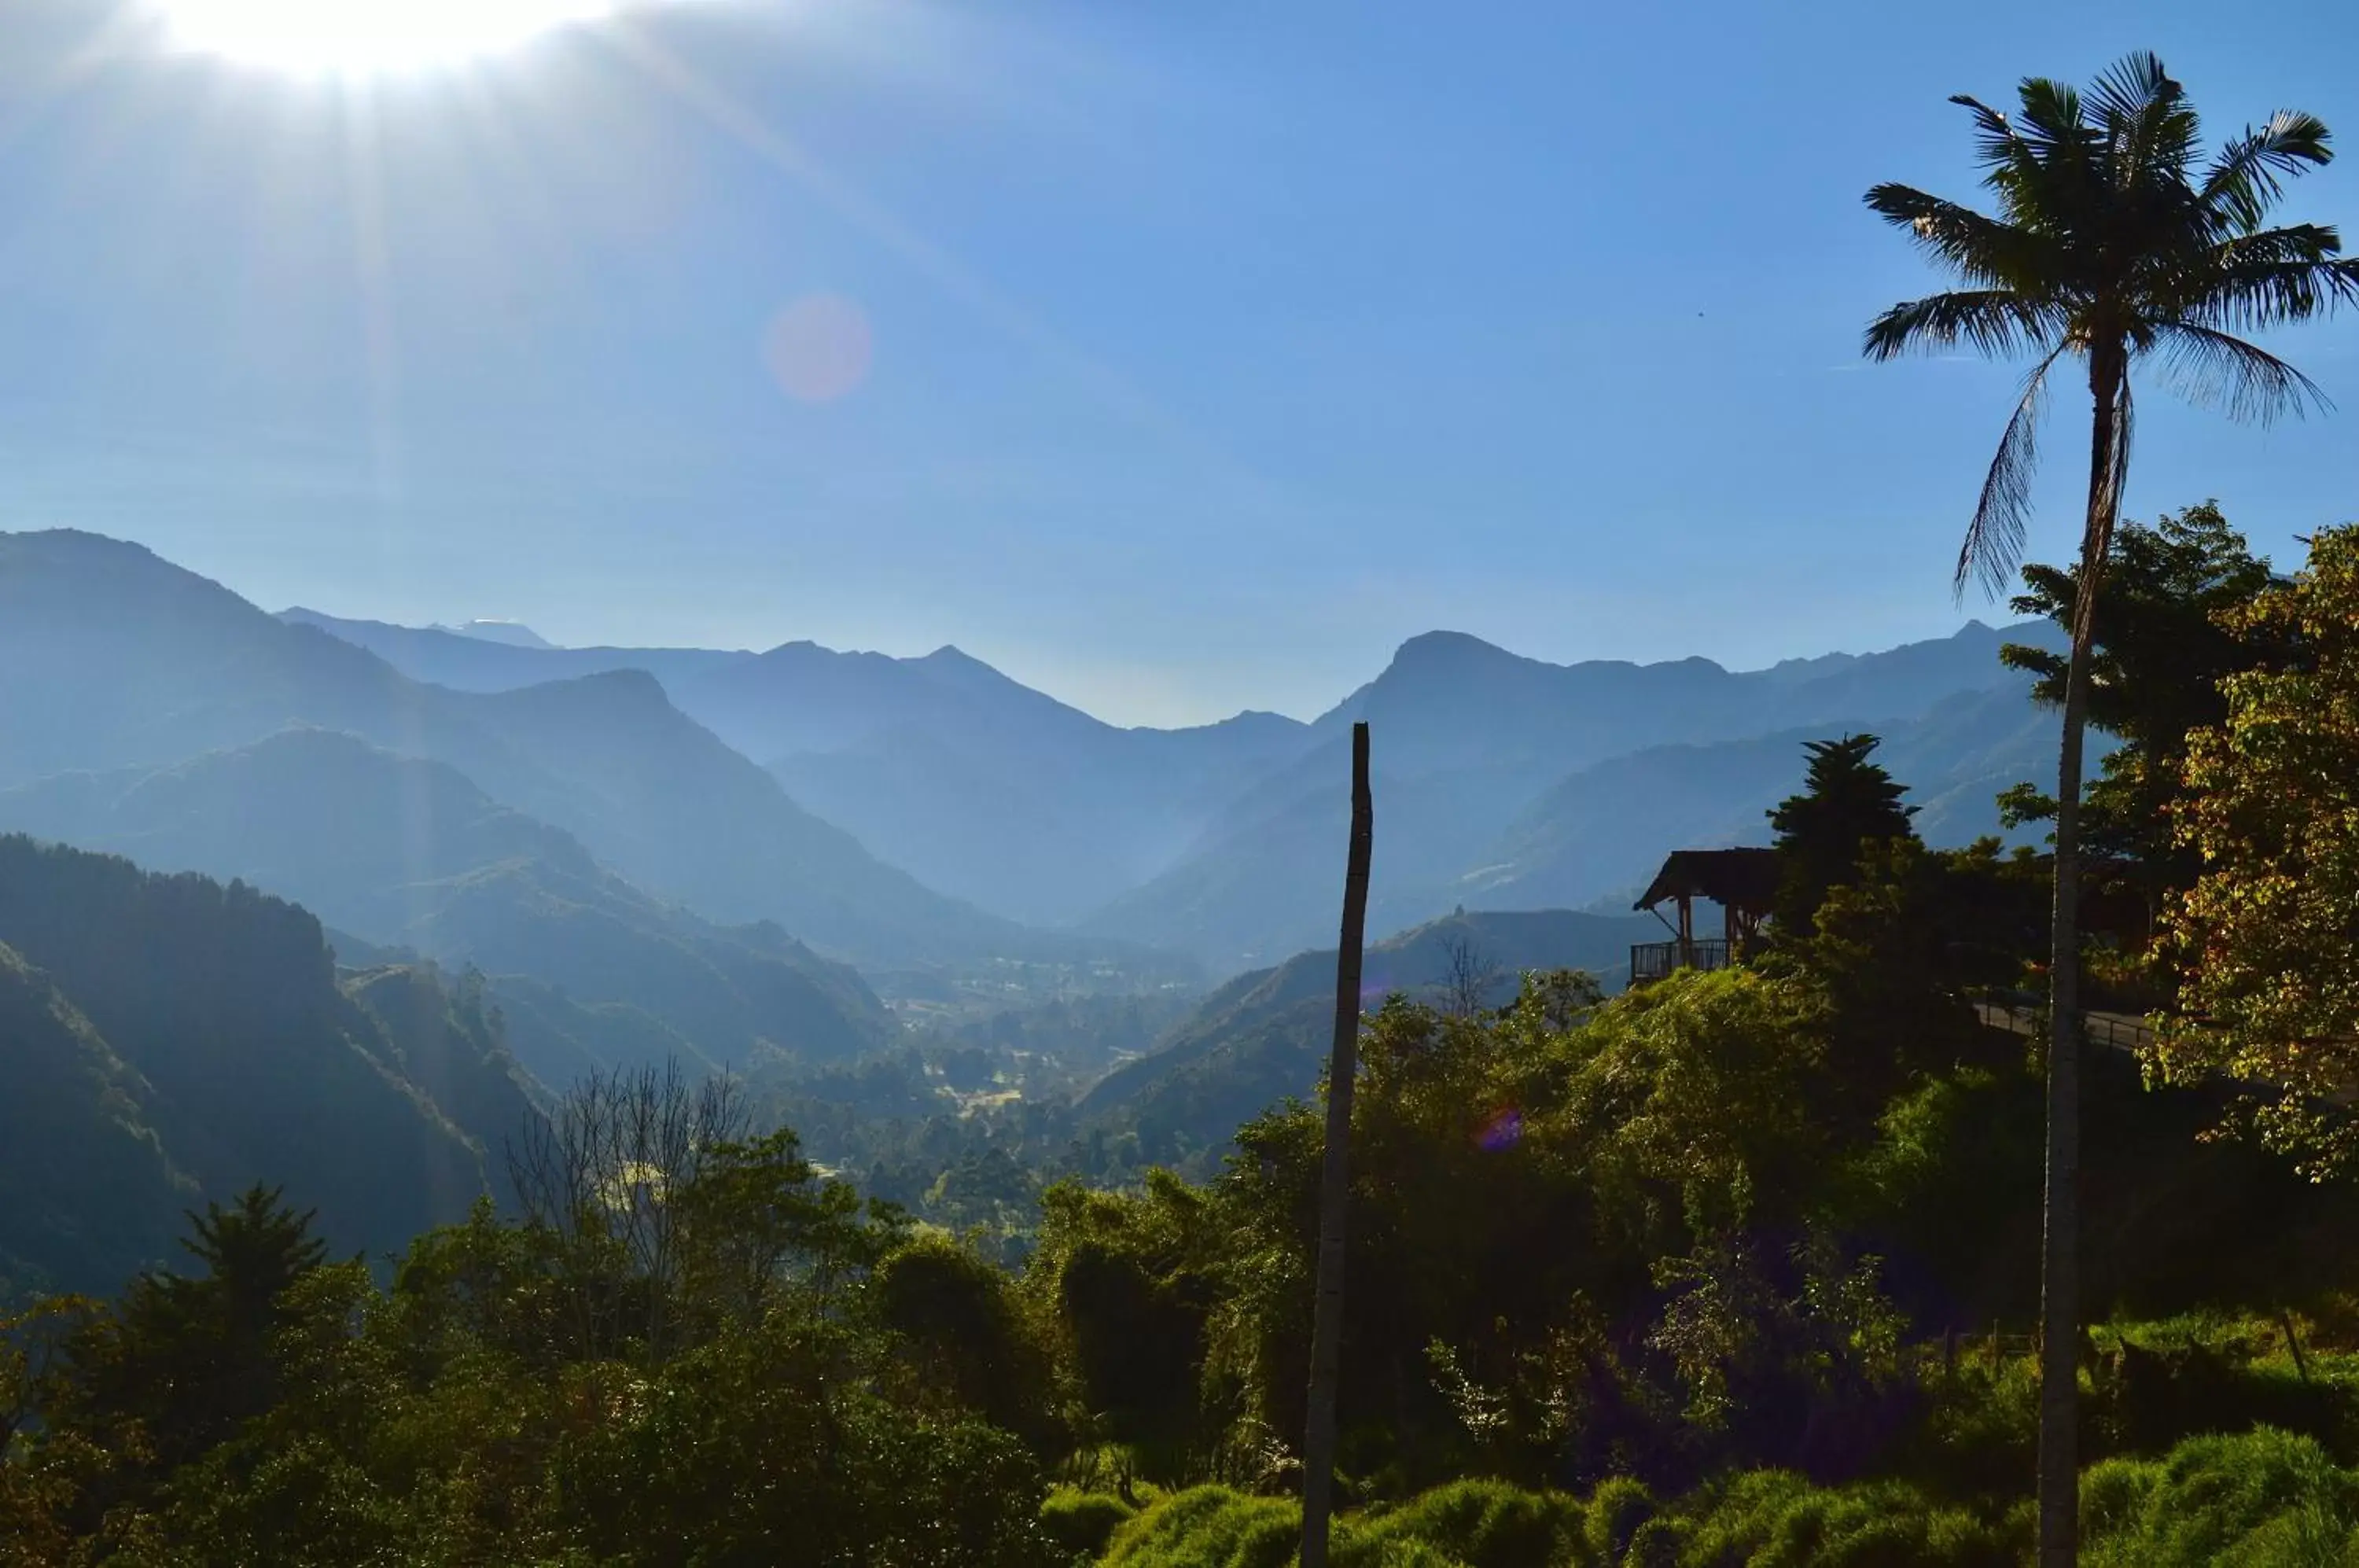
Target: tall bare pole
1343,1066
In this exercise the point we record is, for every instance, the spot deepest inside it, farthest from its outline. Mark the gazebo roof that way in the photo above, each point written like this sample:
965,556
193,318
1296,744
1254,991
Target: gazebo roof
1732,878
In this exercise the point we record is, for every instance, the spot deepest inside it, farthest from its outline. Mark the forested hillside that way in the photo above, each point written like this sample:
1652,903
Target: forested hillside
1262,1036
171,1038
409,854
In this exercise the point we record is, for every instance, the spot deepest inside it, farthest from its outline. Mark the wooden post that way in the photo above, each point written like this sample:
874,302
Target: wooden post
2293,1343
1687,931
1343,1066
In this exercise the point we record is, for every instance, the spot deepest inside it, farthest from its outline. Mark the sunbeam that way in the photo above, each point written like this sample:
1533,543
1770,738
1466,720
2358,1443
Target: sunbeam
362,36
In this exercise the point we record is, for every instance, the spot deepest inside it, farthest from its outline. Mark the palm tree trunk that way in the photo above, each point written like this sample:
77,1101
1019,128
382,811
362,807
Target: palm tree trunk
2060,1276
1343,1066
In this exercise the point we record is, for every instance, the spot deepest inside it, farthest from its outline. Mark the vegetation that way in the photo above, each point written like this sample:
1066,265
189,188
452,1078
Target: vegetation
2110,247
2264,931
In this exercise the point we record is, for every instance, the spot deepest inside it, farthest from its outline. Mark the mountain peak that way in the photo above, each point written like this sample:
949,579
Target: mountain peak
515,634
1440,644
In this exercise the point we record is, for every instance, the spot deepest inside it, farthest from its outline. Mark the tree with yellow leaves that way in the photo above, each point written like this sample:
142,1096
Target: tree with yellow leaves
2268,938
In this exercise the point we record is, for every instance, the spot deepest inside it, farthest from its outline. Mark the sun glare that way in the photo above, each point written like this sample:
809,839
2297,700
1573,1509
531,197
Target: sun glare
366,36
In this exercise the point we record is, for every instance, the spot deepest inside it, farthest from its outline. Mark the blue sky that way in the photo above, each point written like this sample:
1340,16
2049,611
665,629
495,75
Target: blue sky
1215,347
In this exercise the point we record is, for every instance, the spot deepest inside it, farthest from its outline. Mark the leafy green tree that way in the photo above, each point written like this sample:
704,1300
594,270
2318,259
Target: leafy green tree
1847,803
2268,935
967,1338
188,1358
2115,246
2162,646
1128,1279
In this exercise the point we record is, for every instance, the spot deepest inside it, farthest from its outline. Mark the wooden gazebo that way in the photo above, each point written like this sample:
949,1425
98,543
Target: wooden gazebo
1743,882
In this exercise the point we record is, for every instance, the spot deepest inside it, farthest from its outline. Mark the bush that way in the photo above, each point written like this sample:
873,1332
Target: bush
1485,1524
1210,1526
1083,1522
2260,1499
1774,1518
1617,1510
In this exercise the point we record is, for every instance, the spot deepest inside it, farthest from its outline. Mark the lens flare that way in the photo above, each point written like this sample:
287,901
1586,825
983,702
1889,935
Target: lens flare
1503,1131
818,347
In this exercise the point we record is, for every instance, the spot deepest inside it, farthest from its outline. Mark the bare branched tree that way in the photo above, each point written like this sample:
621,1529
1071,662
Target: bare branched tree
1468,974
597,1172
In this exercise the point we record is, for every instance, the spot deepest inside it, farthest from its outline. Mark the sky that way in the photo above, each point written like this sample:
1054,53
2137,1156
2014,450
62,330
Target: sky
1177,356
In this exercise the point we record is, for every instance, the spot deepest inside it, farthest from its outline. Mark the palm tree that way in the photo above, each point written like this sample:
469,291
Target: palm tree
2112,249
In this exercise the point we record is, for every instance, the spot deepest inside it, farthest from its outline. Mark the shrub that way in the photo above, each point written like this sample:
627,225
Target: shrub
1618,1511
1210,1526
1467,1524
2260,1499
1774,1518
1485,1524
1083,1522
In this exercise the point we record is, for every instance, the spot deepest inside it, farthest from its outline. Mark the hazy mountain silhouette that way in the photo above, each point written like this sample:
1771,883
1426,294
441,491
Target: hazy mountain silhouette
514,633
468,660
1484,793
119,658
1221,841
408,854
1006,796
1955,759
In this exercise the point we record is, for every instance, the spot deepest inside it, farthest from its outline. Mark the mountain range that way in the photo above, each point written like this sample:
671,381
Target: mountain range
680,851
121,661
1504,782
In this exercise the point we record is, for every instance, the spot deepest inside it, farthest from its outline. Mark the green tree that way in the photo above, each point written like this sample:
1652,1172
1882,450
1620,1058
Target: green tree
2115,246
964,1331
189,1357
1847,803
2162,646
2268,934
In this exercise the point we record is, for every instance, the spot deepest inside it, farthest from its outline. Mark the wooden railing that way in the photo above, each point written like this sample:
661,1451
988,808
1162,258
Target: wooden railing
1655,960
2023,1015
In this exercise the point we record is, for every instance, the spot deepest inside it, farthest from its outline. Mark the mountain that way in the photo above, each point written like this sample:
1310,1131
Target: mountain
472,658
1504,781
408,854
86,1189
1265,1035
1003,795
1605,829
516,634
118,659
169,1037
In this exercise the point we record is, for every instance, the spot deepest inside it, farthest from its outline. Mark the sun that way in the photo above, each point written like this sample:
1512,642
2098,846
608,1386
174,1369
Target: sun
360,37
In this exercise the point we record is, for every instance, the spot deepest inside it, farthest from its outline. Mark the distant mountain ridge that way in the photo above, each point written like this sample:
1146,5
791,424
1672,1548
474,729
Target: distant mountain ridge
900,810
464,661
410,854
1221,841
1010,799
1505,782
121,660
